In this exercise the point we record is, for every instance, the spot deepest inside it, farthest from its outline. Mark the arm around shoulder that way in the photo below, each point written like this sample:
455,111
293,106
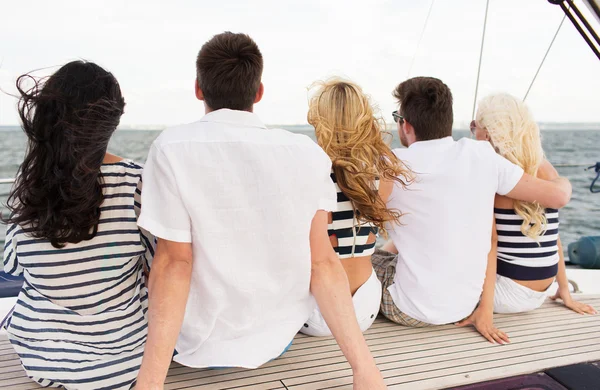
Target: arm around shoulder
514,183
554,193
546,171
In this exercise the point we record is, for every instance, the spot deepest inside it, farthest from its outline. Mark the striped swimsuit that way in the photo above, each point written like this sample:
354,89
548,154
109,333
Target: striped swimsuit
520,257
352,235
80,319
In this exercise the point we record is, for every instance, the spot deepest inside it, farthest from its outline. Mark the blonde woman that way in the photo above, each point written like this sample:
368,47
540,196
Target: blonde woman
529,252
364,170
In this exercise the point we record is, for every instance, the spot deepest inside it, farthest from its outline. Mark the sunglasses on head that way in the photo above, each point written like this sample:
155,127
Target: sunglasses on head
397,117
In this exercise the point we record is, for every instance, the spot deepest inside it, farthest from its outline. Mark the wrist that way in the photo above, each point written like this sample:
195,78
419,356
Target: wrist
365,369
144,382
485,309
144,385
566,296
364,364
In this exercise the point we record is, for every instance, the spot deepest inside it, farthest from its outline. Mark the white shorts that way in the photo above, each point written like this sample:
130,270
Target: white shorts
366,305
511,297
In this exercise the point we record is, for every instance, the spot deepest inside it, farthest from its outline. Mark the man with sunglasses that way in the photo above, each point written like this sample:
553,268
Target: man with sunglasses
434,268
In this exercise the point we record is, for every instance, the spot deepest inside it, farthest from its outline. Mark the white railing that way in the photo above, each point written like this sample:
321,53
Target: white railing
7,181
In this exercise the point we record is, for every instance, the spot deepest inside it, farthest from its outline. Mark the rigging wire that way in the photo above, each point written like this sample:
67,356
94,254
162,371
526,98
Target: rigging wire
420,39
545,55
487,5
570,165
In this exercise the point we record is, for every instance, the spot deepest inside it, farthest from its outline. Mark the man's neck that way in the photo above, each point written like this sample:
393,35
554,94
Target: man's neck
414,141
208,110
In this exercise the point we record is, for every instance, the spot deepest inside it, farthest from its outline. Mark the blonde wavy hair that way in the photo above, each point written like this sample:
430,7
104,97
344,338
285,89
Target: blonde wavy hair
347,129
516,136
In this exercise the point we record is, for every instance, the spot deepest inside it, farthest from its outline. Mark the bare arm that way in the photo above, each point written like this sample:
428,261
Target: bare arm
487,297
483,317
554,192
561,277
329,285
563,287
168,289
385,190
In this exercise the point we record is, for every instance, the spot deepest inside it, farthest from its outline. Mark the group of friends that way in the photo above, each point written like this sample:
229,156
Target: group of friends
244,235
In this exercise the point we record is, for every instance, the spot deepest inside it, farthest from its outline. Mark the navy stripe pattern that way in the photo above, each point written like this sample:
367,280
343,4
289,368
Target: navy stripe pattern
352,235
520,257
80,321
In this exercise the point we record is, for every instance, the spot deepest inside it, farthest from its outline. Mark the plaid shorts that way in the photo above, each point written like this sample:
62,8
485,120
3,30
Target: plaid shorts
384,264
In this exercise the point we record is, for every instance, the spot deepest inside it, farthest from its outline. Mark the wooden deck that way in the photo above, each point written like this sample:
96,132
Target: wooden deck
430,358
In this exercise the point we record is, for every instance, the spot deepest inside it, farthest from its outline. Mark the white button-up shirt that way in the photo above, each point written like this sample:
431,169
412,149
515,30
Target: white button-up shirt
244,196
446,229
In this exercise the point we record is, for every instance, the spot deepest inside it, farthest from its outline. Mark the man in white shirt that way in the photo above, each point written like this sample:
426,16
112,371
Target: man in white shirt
443,244
241,216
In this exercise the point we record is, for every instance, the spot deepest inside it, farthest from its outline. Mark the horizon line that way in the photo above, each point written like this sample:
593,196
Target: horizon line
457,126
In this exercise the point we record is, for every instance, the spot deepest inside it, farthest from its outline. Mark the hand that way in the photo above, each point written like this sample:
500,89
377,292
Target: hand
370,379
578,307
483,321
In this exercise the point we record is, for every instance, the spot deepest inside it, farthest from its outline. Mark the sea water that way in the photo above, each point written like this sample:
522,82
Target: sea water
562,147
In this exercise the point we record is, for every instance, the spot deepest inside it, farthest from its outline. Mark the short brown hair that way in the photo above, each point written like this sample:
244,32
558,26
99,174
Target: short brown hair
426,103
229,70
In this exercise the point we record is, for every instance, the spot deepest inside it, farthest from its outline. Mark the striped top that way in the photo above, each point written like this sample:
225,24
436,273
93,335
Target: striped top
352,235
80,318
520,257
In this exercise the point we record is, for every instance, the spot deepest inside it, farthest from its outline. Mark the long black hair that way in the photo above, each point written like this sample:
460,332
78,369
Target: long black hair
69,119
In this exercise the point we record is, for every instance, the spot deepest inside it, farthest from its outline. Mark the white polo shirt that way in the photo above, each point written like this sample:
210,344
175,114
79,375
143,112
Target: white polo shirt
446,229
244,196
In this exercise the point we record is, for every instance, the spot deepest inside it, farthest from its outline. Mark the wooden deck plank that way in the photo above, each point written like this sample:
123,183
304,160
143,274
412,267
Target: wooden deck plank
427,358
556,309
548,307
424,360
10,382
550,313
454,376
275,385
438,332
501,323
442,337
27,386
448,347
412,361
12,366
488,373
9,357
13,375
264,387
313,366
426,346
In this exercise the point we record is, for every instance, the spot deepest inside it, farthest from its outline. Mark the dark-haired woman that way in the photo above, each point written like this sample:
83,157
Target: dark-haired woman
80,319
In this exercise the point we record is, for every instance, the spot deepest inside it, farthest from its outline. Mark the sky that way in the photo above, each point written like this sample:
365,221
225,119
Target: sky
151,46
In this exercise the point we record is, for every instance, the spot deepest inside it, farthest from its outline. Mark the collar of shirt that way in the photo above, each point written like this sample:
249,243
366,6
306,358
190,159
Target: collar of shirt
234,117
432,143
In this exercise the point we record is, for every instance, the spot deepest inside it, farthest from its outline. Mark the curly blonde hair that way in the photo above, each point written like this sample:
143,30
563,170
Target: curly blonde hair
516,136
347,129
